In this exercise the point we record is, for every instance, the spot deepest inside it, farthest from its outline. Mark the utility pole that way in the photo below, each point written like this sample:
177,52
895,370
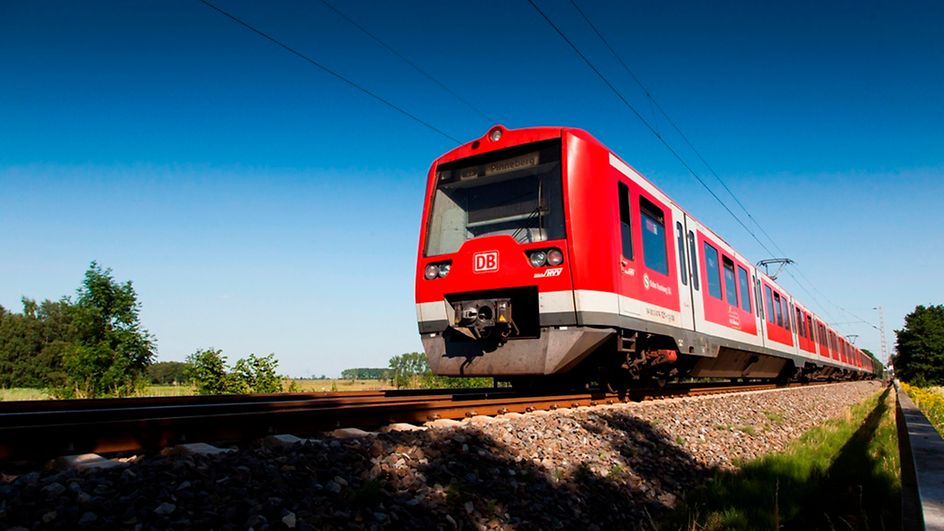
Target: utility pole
881,331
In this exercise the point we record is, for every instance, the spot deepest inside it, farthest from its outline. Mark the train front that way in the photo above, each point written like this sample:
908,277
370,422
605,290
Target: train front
494,290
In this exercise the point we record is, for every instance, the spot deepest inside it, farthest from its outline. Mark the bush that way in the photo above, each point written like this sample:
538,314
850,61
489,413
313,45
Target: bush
931,403
168,373
207,369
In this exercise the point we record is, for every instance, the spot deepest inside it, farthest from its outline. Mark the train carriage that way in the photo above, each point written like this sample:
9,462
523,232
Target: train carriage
542,253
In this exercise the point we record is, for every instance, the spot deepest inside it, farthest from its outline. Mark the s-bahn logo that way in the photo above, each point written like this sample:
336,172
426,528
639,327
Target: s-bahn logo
485,262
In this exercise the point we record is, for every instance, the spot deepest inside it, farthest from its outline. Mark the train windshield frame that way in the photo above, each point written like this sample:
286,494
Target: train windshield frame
516,191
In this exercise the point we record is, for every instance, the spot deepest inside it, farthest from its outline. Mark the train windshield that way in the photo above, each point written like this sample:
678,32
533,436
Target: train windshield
515,192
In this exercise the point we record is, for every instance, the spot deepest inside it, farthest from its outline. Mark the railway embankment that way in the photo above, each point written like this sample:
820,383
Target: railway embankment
922,467
619,465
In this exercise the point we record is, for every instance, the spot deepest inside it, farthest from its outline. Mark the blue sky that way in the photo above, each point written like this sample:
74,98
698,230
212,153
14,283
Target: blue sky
261,205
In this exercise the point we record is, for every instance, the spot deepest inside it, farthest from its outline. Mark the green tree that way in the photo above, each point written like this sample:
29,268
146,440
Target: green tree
207,369
168,373
112,351
365,373
411,370
407,369
32,343
876,364
920,347
257,375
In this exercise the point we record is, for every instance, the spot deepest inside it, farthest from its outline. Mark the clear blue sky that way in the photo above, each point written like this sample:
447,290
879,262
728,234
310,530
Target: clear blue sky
260,205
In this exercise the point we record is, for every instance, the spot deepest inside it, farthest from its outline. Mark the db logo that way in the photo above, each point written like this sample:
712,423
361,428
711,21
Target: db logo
485,261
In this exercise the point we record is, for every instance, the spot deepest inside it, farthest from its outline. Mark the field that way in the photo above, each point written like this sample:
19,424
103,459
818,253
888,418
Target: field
300,386
332,385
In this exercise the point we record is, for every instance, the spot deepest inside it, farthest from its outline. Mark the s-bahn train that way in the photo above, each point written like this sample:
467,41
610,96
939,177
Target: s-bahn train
543,255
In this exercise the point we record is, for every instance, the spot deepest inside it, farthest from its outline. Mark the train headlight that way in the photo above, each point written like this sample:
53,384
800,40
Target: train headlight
495,135
555,257
538,258
437,270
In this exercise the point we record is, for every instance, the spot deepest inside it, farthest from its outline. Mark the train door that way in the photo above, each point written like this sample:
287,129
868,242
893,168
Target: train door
649,285
684,270
697,301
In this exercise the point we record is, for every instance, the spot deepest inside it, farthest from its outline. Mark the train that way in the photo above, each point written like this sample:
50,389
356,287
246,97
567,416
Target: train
544,257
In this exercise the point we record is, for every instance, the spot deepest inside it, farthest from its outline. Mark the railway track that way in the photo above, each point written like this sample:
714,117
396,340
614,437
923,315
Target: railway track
36,430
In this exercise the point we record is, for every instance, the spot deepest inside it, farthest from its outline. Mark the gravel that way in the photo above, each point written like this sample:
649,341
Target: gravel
606,466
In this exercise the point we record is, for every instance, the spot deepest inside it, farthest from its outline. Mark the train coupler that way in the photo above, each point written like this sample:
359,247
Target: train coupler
484,318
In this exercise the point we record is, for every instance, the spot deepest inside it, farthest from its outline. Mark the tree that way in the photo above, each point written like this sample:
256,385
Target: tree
411,370
365,373
257,375
168,373
32,343
112,351
920,347
207,369
407,368
877,366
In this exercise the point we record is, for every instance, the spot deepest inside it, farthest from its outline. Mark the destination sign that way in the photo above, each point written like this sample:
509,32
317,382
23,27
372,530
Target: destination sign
509,165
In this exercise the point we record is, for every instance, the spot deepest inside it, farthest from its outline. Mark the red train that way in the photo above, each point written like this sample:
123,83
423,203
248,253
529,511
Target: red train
542,254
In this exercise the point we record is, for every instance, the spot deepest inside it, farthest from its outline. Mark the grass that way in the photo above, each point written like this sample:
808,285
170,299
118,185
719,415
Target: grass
23,393
775,417
333,385
300,386
842,475
747,430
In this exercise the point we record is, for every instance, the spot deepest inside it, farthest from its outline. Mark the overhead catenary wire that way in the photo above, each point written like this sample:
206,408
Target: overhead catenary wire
329,71
694,150
405,59
671,122
646,123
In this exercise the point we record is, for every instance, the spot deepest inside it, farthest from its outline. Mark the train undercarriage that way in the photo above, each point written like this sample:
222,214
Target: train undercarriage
611,358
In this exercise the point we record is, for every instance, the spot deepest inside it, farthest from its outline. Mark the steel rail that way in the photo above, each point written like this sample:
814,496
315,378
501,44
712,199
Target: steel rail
33,432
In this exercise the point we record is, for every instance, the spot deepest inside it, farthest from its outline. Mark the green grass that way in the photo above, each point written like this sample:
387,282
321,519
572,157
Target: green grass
23,393
300,386
337,384
775,417
842,475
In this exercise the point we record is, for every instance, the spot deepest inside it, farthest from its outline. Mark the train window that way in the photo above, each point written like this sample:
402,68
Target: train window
683,269
758,298
515,192
712,270
778,308
770,305
801,325
694,258
786,312
626,231
745,290
653,237
730,289
809,326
